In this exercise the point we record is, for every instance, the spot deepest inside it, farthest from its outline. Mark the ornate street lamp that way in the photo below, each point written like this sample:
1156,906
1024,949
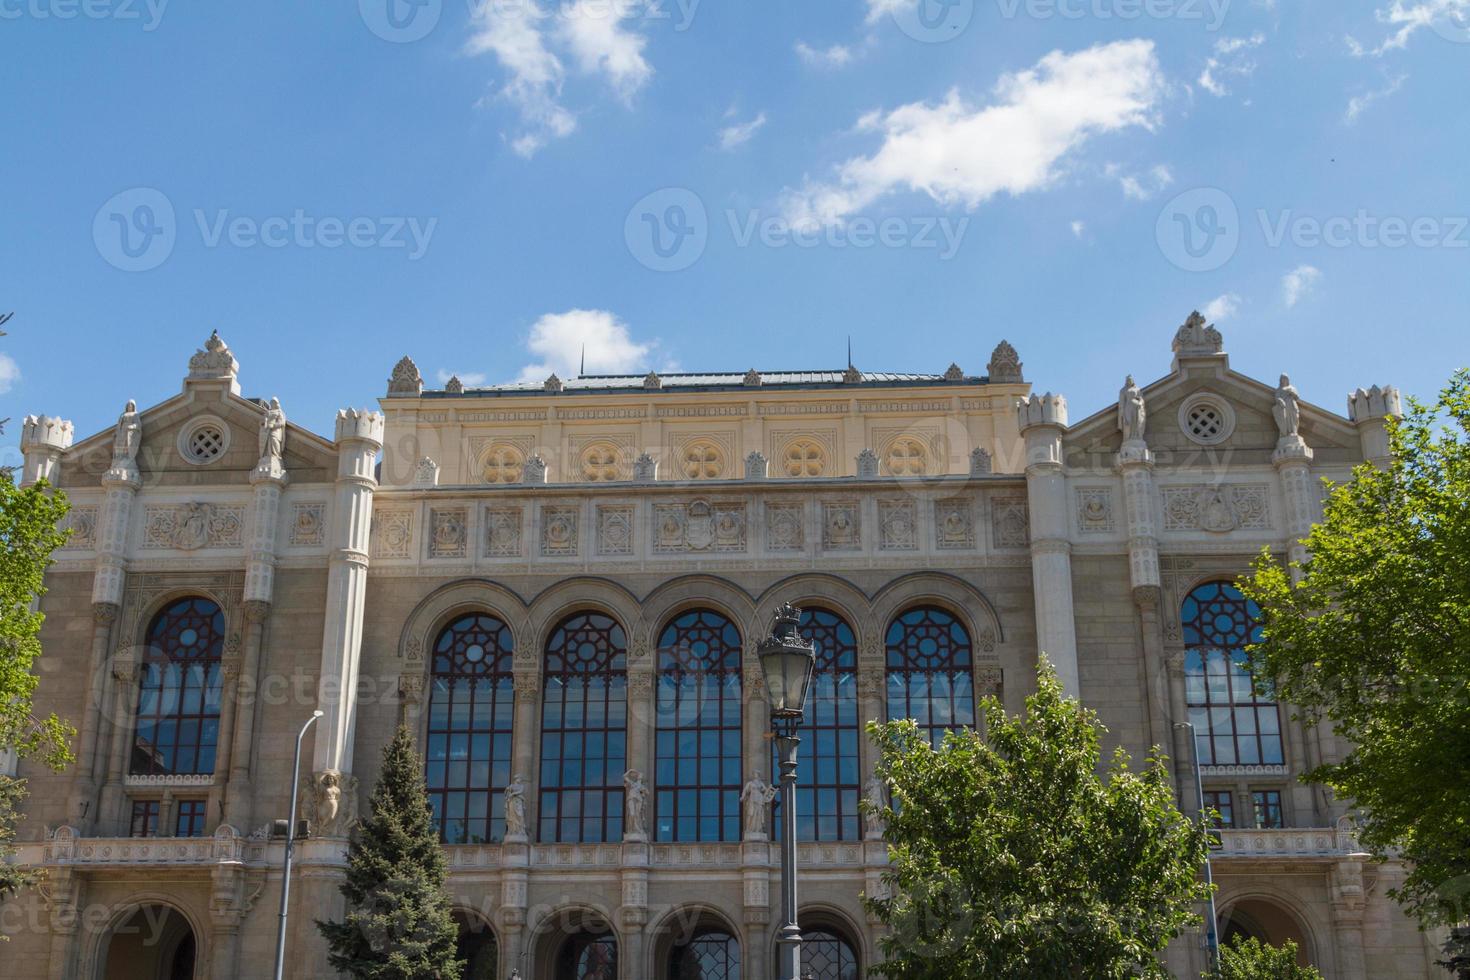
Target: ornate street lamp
788,662
290,841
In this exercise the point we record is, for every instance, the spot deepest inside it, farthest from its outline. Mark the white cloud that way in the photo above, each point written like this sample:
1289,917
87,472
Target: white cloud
837,56
1405,19
1222,307
1141,188
1078,228
9,373
470,379
1299,283
1231,59
960,154
559,339
877,8
740,133
1358,103
591,31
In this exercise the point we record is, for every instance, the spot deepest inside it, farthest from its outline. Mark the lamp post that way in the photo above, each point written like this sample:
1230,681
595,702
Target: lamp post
787,661
290,840
1212,938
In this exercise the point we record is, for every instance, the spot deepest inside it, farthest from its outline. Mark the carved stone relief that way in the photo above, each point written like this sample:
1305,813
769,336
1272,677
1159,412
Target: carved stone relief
614,530
189,527
1094,510
449,533
954,524
1217,509
558,531
393,534
82,522
699,525
785,527
842,528
502,532
308,525
1010,522
897,525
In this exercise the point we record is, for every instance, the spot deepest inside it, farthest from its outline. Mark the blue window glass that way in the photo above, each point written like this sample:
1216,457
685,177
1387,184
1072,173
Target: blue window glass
827,955
697,729
929,671
1234,724
584,725
471,707
828,787
710,954
179,691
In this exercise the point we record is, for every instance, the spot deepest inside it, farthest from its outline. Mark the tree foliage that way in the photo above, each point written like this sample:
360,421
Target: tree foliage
399,923
1376,638
1015,855
1251,959
29,534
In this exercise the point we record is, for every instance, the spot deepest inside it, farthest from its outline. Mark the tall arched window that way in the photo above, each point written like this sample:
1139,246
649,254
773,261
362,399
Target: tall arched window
828,955
1233,725
929,677
584,731
589,957
697,733
471,705
827,793
179,691
710,954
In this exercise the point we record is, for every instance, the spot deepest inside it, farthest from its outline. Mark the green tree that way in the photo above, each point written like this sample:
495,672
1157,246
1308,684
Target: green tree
1375,637
29,522
1018,854
399,924
1251,959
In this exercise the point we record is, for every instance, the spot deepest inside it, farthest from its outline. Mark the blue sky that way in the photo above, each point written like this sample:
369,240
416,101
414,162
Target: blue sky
480,184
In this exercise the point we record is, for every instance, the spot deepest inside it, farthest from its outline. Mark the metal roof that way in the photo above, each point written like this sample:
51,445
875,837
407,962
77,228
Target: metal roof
713,381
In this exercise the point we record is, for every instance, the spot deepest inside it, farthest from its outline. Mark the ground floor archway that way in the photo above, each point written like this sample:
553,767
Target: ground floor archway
477,947
1269,922
153,942
576,944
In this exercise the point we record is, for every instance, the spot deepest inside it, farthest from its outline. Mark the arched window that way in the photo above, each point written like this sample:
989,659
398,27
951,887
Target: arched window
471,705
179,691
697,733
710,954
827,955
589,957
827,792
1233,725
929,677
584,731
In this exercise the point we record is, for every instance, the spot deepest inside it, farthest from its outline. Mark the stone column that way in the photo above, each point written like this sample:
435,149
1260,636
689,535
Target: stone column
755,721
1345,883
359,438
1136,465
635,910
63,889
121,483
42,441
1183,752
525,739
1293,462
244,700
1043,420
82,804
642,710
1370,411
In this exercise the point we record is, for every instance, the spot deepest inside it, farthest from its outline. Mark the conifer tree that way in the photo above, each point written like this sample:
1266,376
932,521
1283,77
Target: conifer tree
398,922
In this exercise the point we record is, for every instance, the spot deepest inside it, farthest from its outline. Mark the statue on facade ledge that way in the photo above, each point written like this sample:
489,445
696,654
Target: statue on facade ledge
515,810
635,796
757,796
1132,412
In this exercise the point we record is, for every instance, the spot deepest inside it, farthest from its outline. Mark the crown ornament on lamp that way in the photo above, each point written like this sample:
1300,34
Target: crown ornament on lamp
788,661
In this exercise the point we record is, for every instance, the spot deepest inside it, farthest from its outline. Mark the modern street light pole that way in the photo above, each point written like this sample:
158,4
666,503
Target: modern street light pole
290,841
788,662
1212,938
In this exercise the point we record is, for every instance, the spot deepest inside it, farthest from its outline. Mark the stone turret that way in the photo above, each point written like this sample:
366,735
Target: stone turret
42,441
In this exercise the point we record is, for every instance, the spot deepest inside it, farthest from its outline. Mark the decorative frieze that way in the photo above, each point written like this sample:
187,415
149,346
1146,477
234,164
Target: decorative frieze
308,526
449,533
503,532
1094,510
614,531
954,524
82,523
842,528
190,527
558,531
785,527
1217,509
698,526
393,534
1010,520
897,525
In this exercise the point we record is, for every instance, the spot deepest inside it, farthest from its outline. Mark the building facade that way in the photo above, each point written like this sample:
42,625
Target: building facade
558,587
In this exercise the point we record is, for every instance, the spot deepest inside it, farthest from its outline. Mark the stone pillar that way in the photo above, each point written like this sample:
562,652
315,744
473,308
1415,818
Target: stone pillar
642,710
121,483
1370,411
755,721
1293,462
872,706
525,740
243,695
359,438
1136,465
42,441
635,910
82,804
1183,752
63,890
1345,883
1043,420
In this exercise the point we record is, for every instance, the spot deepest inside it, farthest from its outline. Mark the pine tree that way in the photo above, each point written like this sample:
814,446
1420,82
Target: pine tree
398,921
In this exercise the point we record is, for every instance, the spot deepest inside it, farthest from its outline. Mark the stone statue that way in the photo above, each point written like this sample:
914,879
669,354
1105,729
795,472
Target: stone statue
272,434
330,802
875,791
635,798
515,808
757,796
1287,409
129,436
1132,413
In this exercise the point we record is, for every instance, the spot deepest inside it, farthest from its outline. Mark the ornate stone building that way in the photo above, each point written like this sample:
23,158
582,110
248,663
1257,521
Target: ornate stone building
559,586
